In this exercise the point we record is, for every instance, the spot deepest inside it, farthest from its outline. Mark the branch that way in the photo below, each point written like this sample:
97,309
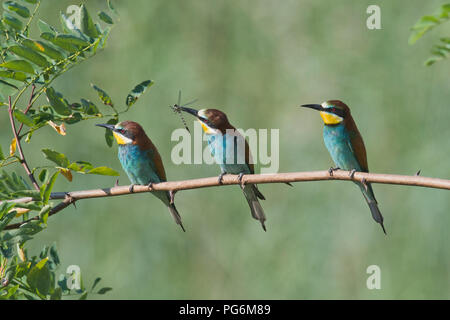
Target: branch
174,186
19,146
28,107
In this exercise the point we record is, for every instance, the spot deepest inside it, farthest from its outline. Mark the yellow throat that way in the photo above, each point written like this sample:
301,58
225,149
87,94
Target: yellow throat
329,118
121,139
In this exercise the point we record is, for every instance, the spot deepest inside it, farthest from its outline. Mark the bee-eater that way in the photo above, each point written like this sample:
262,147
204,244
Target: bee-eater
141,160
231,151
346,147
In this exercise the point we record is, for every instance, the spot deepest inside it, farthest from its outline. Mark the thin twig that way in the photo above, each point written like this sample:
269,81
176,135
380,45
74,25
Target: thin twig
32,16
33,87
60,206
19,147
71,197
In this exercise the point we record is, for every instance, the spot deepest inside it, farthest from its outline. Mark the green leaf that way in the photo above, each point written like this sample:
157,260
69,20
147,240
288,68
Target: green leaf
54,255
58,158
103,171
43,48
80,166
73,118
8,181
72,40
102,95
105,17
87,25
11,292
2,157
31,1
9,86
17,8
43,175
18,65
57,102
104,290
9,274
137,92
445,9
43,214
108,133
6,219
39,277
44,27
22,269
11,21
20,76
89,108
27,193
49,187
60,42
30,55
96,281
23,118
30,205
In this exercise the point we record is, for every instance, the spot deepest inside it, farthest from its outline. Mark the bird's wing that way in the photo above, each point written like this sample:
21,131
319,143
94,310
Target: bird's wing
155,160
357,145
248,158
248,154
159,167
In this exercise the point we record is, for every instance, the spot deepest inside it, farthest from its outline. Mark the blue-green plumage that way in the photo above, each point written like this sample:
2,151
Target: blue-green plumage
224,149
337,140
230,150
139,166
141,161
346,147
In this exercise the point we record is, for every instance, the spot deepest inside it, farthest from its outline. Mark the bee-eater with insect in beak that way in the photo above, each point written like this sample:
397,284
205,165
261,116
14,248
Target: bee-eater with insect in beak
346,147
141,160
231,151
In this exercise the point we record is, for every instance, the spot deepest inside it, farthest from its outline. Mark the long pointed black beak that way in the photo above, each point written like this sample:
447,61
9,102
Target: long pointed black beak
191,111
107,126
317,107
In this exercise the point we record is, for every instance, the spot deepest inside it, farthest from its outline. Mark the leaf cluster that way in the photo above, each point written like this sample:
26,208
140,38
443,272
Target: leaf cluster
30,65
427,23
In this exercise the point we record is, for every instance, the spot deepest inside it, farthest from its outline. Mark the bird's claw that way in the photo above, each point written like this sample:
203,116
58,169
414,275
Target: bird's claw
240,176
364,183
331,170
352,173
150,185
131,188
172,198
418,173
221,177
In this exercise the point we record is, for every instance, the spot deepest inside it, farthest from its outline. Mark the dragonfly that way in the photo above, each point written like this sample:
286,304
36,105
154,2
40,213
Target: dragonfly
177,109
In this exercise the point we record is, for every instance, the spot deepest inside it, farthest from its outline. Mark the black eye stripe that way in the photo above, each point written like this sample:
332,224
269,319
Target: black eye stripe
338,112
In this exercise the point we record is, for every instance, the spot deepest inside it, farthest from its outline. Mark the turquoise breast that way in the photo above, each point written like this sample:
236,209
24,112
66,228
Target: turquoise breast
337,141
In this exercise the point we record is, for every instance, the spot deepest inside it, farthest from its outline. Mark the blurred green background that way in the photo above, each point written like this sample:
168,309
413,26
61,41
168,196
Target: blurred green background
258,61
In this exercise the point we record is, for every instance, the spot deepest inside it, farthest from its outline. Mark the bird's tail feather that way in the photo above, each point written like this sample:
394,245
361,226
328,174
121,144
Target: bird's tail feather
176,216
373,205
255,207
